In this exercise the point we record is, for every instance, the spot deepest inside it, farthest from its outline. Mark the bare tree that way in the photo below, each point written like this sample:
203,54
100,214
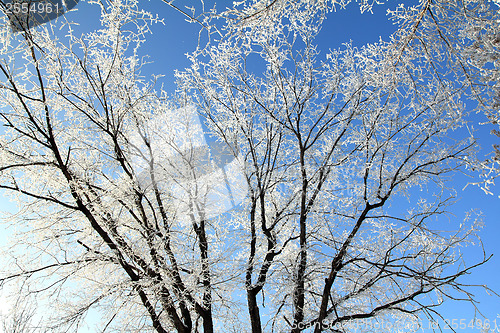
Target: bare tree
316,202
331,147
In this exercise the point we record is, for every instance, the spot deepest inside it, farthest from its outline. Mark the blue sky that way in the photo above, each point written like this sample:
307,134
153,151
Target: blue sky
169,43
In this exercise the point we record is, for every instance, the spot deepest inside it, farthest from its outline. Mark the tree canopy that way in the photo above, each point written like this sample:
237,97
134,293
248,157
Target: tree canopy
280,188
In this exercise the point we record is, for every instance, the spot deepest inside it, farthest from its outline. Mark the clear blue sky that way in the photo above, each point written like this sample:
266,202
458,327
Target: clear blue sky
169,43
